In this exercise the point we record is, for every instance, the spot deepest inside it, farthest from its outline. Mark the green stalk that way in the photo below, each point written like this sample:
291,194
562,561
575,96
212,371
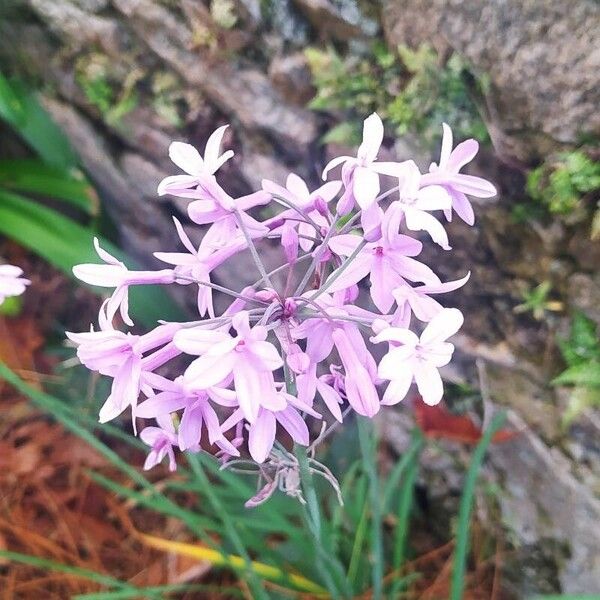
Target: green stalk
311,512
404,510
159,591
466,505
357,546
368,446
338,272
254,583
45,563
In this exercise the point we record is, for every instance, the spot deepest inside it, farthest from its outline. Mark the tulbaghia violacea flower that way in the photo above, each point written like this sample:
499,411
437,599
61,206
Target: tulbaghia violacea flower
416,202
361,174
161,440
114,274
11,282
447,174
418,358
298,343
247,356
309,204
388,262
188,159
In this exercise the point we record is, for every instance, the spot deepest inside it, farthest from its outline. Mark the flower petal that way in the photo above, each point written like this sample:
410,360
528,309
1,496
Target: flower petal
186,157
461,155
372,138
365,186
262,436
294,424
429,383
446,323
397,389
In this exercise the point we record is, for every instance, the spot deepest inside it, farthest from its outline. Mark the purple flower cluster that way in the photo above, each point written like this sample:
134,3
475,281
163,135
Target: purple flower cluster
282,354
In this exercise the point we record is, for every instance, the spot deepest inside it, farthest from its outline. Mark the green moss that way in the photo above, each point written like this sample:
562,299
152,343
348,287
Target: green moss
581,353
113,99
409,89
537,301
561,184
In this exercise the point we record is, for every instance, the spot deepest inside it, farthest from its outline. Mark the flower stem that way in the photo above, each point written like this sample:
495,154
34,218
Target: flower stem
315,262
368,446
339,270
328,565
254,583
253,251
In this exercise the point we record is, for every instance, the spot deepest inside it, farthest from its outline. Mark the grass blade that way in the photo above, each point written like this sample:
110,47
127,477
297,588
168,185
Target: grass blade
237,563
357,546
230,530
21,109
45,563
160,590
404,510
33,176
397,473
64,243
368,445
466,505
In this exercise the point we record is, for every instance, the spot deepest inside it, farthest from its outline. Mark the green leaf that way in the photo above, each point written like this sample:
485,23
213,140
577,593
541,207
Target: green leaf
52,565
466,506
583,344
580,399
33,176
64,243
586,374
160,591
21,109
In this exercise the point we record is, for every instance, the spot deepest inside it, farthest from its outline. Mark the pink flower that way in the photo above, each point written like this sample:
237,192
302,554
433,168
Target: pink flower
125,389
197,264
120,356
188,159
197,411
262,431
296,192
332,390
358,382
161,441
447,174
361,174
387,262
417,300
247,356
227,215
267,332
11,282
418,358
415,203
114,274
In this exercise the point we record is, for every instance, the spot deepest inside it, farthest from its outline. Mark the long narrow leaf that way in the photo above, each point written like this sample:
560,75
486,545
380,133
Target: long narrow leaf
52,565
404,510
393,479
161,590
368,445
64,243
267,572
21,109
33,176
466,505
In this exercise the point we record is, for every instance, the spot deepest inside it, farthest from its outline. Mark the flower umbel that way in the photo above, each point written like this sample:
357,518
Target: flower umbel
298,343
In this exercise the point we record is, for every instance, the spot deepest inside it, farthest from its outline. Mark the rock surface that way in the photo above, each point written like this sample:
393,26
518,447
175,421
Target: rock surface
542,60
